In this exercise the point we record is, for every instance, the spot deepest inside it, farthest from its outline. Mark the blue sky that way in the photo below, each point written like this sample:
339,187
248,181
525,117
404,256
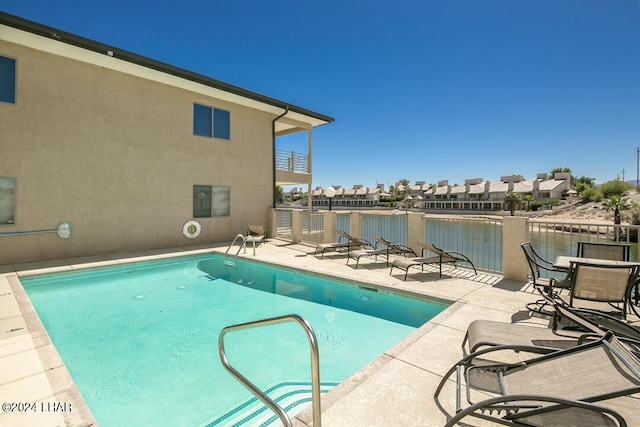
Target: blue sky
420,90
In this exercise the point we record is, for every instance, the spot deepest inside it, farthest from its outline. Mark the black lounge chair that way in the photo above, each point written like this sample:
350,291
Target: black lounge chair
348,243
441,257
382,247
563,387
579,325
483,333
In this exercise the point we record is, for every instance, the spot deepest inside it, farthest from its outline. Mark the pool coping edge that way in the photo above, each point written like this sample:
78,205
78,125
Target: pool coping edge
63,386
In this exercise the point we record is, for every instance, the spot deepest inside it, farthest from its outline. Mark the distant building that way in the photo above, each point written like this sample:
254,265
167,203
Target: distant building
475,194
356,197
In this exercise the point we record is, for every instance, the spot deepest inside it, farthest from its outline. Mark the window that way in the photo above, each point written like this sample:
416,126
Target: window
210,201
201,201
211,122
221,124
7,201
7,80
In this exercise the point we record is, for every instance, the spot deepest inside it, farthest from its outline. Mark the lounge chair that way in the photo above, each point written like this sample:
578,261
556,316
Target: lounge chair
561,388
580,325
441,257
382,247
488,333
349,243
598,319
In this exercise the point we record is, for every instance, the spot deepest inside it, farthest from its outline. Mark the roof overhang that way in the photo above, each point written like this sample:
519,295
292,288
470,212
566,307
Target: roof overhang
36,36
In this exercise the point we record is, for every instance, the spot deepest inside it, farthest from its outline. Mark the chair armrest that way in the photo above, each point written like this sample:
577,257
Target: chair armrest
404,249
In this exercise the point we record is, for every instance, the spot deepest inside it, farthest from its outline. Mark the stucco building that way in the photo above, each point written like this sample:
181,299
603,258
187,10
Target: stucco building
475,194
127,149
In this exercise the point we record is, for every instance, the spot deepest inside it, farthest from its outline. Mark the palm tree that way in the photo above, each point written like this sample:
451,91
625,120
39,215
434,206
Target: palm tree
528,199
512,201
617,204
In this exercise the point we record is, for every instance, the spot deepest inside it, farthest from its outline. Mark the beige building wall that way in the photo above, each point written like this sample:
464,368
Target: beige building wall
115,155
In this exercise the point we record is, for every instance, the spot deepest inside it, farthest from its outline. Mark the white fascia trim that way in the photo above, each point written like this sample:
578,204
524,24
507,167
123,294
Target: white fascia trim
34,41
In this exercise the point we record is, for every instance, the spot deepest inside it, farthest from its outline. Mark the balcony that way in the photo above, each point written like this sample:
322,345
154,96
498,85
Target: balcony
292,168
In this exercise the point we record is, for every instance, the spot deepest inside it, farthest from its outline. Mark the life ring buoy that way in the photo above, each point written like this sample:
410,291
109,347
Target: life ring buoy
191,229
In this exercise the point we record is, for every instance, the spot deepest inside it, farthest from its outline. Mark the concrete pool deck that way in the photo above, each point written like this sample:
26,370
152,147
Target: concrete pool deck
395,390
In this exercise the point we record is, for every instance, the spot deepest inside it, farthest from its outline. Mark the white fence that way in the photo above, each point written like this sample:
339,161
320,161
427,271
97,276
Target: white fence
480,239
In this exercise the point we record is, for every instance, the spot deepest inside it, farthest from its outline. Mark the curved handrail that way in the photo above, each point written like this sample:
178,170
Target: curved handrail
239,236
315,365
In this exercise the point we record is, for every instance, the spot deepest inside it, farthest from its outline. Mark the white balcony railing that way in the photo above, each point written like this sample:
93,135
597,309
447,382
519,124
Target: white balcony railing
290,161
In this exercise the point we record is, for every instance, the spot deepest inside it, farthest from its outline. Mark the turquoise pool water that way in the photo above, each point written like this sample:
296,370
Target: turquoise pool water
140,340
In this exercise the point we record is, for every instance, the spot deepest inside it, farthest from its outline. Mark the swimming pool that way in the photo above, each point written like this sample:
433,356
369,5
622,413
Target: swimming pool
140,340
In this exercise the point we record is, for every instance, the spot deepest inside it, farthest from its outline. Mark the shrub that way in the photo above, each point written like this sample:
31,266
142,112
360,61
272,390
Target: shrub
591,195
535,205
614,188
387,199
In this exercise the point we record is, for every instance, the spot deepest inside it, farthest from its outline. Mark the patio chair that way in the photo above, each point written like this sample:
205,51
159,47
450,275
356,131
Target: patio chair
537,265
349,243
602,283
634,298
601,250
562,388
255,234
441,257
382,247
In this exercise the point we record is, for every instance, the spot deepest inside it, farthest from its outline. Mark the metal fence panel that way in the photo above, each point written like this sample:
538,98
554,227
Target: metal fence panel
391,227
312,226
553,239
478,239
344,222
283,224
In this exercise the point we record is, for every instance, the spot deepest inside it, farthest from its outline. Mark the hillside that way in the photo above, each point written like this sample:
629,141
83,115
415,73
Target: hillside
592,211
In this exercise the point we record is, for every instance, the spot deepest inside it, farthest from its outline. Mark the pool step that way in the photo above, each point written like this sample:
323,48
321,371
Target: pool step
292,396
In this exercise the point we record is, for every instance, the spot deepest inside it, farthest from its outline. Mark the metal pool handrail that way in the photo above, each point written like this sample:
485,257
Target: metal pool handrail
315,365
241,237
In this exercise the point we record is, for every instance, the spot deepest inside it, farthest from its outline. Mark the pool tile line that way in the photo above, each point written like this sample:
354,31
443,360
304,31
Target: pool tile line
268,391
73,263
255,412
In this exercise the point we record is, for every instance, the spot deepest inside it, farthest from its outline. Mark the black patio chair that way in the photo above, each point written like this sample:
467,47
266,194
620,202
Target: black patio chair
537,265
603,250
